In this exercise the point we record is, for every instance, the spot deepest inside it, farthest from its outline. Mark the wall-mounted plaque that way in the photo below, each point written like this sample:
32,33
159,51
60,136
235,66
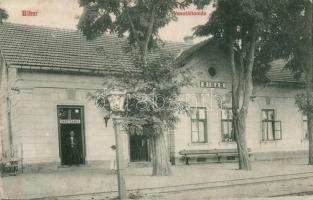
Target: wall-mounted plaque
69,121
209,84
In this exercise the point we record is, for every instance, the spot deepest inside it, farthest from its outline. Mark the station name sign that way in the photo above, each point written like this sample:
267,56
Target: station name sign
69,121
209,84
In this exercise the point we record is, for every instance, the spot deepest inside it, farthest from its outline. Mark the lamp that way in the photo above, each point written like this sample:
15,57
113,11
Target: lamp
114,104
116,99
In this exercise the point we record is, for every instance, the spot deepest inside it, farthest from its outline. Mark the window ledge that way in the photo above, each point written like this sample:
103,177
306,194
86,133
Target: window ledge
304,140
198,144
269,141
224,142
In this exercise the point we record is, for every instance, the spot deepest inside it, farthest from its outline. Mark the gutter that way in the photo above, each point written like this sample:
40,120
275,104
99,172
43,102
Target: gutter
73,69
286,84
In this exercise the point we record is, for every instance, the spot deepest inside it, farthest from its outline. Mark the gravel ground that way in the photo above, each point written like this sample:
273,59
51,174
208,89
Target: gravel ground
82,180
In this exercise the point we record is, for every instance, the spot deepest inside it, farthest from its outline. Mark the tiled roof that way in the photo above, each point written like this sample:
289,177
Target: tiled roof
28,45
278,73
194,48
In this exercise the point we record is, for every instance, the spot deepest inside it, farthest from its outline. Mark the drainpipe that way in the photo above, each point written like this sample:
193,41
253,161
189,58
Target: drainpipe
7,109
9,113
9,121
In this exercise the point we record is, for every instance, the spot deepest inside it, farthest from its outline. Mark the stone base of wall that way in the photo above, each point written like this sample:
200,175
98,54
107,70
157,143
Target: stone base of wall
39,167
279,155
98,164
56,166
105,164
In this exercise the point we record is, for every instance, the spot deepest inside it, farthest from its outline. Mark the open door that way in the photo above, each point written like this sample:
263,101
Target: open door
71,135
138,146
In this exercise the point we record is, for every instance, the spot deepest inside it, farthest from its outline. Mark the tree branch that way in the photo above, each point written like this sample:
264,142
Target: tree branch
149,31
248,69
235,79
131,23
232,56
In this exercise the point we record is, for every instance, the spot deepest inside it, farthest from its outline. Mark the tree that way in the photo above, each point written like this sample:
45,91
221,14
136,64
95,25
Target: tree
152,102
3,15
292,40
239,27
139,21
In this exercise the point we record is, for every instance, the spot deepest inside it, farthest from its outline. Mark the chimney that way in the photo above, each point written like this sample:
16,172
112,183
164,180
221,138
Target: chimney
188,39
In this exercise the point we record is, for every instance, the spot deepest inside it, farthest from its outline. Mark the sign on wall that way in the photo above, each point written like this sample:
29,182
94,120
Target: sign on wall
209,84
69,121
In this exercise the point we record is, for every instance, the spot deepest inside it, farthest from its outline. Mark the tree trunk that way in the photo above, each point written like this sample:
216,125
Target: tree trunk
239,127
241,91
309,75
309,114
160,157
310,132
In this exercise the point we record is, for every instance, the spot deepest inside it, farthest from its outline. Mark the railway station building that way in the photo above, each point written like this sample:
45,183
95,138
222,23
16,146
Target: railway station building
47,73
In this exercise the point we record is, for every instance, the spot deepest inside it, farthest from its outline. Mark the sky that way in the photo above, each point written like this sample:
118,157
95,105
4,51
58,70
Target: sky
65,13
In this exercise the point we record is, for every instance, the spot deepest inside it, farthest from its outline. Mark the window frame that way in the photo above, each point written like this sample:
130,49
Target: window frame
197,120
229,122
267,121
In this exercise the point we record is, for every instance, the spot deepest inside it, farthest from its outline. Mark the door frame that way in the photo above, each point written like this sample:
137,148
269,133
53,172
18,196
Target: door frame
147,148
82,108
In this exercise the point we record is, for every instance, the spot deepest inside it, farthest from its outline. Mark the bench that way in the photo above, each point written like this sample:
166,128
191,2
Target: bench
217,153
10,166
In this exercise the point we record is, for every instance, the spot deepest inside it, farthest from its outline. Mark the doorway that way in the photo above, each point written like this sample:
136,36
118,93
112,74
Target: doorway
71,135
139,148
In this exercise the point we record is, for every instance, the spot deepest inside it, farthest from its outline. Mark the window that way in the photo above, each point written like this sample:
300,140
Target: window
305,126
271,129
227,127
198,125
212,71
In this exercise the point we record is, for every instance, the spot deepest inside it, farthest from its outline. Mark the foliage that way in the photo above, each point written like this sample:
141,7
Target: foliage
304,103
240,28
290,38
137,195
140,20
279,30
153,95
3,14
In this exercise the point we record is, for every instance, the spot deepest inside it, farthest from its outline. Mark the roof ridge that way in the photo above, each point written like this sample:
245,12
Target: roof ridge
58,29
77,31
39,26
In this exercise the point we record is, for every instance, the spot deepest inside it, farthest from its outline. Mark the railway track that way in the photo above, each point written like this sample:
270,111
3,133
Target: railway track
296,194
212,185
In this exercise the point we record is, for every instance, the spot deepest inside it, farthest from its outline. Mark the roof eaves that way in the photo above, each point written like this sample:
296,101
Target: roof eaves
191,50
286,83
73,69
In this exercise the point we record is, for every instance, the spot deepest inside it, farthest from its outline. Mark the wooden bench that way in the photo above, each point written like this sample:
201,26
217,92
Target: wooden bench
10,166
217,153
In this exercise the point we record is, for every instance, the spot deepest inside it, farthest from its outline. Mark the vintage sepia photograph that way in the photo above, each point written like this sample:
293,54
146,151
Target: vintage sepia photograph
156,99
